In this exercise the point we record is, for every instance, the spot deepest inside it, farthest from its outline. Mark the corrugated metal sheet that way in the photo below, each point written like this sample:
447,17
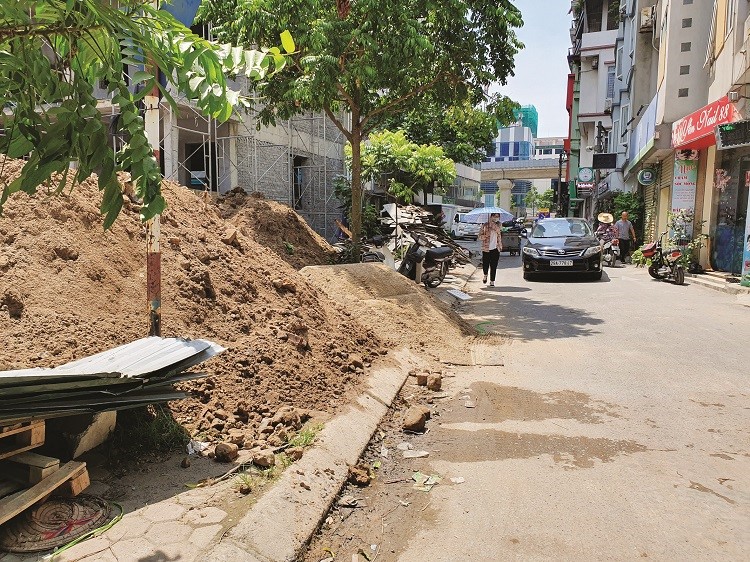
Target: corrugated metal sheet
140,372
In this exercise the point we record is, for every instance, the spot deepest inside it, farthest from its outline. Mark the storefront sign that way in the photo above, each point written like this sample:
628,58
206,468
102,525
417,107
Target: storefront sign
733,135
584,188
647,176
699,126
683,185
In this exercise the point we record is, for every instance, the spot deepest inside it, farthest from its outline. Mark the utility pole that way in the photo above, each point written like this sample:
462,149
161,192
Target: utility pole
153,226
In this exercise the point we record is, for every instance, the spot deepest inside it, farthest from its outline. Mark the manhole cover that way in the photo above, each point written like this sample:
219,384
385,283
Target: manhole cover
54,523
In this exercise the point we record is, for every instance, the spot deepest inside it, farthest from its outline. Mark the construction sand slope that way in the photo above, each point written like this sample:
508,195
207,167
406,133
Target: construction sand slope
275,226
69,289
397,309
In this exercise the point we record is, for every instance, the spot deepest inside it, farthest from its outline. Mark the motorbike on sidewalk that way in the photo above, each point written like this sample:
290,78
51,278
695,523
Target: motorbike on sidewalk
665,265
433,262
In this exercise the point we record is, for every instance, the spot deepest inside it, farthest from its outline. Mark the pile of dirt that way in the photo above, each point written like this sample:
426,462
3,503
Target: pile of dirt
277,227
68,289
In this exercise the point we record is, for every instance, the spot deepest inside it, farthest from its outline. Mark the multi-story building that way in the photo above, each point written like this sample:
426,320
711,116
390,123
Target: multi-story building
718,133
592,62
528,116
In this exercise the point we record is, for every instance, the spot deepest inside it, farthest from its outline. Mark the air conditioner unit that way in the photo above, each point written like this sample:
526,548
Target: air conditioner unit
608,105
648,16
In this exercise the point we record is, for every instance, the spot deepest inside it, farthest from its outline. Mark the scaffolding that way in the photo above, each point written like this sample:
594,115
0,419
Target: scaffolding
295,162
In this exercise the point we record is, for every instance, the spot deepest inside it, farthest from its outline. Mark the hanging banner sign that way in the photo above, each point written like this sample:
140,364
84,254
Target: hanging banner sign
700,125
683,186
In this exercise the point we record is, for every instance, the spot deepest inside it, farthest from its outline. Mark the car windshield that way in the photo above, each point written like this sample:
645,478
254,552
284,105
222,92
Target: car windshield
562,228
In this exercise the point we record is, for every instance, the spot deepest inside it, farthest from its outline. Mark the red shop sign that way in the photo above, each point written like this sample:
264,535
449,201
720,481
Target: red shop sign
696,130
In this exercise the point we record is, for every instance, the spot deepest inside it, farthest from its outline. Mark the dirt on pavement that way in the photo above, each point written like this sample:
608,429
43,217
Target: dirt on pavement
69,289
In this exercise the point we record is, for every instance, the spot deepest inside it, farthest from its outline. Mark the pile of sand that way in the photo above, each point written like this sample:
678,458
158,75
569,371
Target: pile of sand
277,227
68,289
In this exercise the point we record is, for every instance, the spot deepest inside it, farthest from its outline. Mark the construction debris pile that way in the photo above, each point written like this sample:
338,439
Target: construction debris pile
68,289
405,222
139,373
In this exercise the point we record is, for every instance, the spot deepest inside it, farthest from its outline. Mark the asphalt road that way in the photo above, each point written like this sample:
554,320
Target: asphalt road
618,427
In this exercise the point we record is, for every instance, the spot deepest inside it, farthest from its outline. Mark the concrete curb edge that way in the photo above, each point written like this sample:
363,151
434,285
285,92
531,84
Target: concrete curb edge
286,517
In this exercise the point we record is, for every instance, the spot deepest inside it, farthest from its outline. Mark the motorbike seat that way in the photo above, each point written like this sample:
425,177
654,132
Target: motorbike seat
440,253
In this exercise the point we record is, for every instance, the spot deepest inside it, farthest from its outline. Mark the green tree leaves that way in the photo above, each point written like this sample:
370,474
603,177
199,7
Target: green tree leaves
373,59
409,167
53,53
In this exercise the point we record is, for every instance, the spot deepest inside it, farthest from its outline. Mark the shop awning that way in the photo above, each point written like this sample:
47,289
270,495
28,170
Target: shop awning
696,131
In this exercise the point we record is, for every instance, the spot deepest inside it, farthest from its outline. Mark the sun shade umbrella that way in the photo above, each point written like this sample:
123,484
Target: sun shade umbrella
482,215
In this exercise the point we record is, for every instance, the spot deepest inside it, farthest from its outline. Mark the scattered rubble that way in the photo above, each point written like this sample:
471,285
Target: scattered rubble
360,474
414,419
226,452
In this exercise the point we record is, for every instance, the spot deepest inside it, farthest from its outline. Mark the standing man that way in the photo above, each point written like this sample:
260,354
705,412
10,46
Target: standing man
626,234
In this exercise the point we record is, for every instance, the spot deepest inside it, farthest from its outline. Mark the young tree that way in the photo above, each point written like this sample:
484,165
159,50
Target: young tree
53,52
374,58
412,167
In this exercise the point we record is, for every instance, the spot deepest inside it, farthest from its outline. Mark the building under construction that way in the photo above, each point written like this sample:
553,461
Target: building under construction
295,162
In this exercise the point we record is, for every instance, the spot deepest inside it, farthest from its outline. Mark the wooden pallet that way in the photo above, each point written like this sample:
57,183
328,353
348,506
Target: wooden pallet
21,437
28,468
70,480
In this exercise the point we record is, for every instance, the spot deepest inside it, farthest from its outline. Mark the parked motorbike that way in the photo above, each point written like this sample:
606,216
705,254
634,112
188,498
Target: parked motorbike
435,262
610,251
371,250
664,264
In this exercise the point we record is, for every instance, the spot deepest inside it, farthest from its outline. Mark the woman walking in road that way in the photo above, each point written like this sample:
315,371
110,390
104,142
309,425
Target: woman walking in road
490,235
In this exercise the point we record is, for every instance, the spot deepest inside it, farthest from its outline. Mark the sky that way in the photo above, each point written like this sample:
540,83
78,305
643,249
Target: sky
542,66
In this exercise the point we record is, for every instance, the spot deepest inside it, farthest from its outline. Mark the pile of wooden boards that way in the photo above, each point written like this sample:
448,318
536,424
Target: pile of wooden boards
27,478
139,373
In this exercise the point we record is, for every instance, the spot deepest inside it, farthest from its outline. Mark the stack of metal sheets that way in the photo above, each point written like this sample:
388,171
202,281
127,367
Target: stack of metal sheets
135,374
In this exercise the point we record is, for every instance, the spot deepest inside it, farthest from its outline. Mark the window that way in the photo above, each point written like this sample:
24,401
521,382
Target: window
618,69
730,14
685,69
685,47
624,124
298,178
615,133
682,92
687,22
687,2
610,81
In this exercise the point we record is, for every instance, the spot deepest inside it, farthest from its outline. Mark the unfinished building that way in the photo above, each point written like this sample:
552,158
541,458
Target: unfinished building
295,162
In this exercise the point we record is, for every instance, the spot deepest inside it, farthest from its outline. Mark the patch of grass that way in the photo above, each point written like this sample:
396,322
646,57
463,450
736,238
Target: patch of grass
289,248
256,478
306,436
152,429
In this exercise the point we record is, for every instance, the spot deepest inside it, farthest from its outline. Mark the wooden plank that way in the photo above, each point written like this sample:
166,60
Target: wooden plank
29,468
34,459
9,508
22,439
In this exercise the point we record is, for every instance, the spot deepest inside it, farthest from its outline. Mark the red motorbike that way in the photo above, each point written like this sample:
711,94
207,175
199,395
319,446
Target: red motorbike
664,264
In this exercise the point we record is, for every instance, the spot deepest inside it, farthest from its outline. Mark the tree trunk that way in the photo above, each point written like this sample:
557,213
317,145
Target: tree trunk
357,192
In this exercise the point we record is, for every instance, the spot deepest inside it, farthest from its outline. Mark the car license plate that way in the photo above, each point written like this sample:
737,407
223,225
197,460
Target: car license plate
561,263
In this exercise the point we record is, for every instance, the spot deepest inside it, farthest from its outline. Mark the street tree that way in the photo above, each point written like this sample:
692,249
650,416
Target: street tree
409,167
53,53
535,200
465,132
361,62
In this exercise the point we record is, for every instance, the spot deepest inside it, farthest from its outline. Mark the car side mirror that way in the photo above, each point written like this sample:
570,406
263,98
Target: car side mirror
524,233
